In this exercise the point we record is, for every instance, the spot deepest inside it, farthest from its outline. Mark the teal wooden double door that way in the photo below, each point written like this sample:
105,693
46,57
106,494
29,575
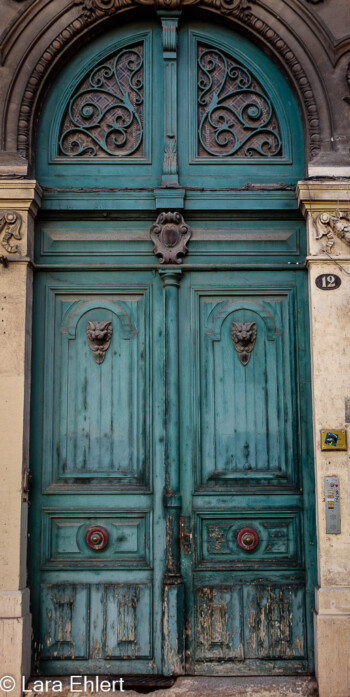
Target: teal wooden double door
172,504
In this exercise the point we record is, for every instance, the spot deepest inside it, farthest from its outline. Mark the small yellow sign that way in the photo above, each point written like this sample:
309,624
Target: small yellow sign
333,439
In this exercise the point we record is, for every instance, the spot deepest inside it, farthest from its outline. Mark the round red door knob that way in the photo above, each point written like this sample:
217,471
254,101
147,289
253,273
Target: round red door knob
97,538
248,539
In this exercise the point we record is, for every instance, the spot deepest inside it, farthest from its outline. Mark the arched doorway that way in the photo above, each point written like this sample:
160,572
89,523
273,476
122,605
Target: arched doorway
171,438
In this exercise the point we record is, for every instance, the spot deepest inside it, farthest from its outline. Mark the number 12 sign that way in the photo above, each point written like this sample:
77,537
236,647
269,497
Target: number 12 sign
328,281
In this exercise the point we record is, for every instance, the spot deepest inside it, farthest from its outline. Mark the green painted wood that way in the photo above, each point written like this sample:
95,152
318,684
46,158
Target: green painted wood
250,106
200,89
101,466
134,169
170,444
217,238
246,439
173,592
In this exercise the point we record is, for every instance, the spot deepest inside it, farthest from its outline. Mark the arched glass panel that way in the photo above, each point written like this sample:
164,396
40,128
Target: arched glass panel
234,119
242,124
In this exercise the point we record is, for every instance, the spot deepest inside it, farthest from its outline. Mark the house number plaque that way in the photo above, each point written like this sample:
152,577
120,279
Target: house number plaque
328,281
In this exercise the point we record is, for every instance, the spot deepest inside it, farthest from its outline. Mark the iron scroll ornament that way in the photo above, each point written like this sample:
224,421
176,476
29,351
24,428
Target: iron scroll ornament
235,114
105,114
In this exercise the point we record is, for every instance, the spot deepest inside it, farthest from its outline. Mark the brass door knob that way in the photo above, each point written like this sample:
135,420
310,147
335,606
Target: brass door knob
248,539
97,538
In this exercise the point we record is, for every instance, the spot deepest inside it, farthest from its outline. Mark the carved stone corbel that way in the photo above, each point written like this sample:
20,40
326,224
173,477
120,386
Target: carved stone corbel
332,226
170,235
11,222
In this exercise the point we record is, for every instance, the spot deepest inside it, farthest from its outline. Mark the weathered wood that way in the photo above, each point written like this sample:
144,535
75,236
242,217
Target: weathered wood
173,592
171,410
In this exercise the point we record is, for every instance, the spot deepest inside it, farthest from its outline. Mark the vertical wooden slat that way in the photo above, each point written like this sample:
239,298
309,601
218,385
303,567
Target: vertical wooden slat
173,591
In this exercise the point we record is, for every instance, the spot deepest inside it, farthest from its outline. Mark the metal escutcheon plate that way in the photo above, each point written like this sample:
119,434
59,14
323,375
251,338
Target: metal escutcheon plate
248,539
97,538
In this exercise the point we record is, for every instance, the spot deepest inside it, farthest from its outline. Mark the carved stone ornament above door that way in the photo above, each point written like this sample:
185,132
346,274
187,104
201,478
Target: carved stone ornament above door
170,235
11,222
110,6
332,226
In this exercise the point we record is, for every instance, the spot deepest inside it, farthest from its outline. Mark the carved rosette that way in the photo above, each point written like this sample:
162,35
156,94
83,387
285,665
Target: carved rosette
332,226
99,336
170,235
11,223
244,337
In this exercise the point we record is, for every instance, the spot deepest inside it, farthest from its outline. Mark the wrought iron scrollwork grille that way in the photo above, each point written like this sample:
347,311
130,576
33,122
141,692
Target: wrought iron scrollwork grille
105,114
236,117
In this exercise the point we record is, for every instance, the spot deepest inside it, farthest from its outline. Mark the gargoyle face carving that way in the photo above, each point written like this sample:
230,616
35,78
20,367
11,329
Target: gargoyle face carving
99,336
244,336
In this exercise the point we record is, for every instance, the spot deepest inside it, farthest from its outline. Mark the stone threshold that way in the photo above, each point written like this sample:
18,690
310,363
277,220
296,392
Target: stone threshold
202,687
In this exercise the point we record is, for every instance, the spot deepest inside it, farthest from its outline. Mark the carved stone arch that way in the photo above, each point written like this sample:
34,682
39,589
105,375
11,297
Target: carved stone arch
91,16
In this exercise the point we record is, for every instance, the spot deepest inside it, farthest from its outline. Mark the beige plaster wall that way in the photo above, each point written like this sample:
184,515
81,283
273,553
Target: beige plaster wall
330,317
330,348
15,297
16,273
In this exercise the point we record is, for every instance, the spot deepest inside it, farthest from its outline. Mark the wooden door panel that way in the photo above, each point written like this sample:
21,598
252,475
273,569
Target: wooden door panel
65,612
252,621
103,430
96,621
247,430
64,543
280,539
122,621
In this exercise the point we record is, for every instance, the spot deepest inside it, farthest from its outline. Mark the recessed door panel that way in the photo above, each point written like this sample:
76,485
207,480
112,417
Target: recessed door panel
99,354
246,387
262,621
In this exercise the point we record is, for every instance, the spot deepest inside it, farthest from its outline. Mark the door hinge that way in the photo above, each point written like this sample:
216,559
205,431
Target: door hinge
185,534
26,481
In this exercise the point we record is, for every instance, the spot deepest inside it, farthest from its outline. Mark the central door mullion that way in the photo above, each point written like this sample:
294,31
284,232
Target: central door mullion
173,589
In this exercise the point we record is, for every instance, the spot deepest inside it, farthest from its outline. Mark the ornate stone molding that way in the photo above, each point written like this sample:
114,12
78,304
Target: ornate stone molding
11,223
111,6
299,75
332,226
170,235
93,10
